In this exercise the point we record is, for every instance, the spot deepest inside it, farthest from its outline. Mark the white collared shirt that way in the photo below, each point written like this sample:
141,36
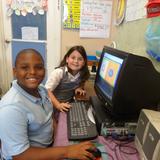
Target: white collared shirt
56,76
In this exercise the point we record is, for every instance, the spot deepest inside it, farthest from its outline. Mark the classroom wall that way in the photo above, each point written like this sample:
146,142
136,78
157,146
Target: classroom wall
3,59
71,37
0,61
129,36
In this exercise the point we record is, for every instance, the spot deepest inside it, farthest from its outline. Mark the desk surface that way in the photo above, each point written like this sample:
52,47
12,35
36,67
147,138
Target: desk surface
115,150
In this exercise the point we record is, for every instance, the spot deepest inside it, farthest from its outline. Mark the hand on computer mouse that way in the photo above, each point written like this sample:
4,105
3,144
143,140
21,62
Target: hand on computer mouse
80,151
96,153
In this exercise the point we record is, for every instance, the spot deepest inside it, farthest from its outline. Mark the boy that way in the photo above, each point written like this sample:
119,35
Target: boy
26,124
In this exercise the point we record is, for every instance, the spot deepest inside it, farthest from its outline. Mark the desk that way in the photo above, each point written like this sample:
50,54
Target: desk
114,149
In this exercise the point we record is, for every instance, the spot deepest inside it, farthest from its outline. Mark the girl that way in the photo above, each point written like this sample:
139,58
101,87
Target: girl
69,78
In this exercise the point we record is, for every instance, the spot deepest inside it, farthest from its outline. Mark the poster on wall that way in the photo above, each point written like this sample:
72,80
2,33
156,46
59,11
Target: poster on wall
95,18
135,10
71,14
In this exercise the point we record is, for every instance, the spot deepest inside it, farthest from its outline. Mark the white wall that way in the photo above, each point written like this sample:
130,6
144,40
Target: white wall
5,62
53,34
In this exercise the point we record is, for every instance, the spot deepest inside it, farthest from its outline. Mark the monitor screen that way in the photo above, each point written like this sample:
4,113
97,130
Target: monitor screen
125,83
108,74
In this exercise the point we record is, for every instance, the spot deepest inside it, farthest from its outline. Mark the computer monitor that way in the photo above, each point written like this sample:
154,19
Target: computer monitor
125,83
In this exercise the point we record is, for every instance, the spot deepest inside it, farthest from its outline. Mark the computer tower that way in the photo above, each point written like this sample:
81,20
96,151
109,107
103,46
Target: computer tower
142,126
151,146
147,138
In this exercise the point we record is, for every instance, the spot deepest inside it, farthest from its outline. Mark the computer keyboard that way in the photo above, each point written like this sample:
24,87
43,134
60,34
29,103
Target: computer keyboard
79,126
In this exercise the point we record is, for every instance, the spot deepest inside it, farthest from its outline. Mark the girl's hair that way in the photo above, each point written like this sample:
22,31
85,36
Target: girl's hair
84,72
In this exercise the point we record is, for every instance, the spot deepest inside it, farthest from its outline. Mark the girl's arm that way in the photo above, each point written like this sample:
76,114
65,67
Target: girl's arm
80,90
52,82
60,106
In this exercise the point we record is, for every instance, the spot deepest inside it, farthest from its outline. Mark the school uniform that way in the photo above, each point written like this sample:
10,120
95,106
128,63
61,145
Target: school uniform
63,84
24,121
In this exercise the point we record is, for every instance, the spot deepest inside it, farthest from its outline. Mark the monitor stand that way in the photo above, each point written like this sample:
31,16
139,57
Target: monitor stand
105,120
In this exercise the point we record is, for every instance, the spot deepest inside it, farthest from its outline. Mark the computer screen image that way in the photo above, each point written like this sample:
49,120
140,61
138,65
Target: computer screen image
125,83
109,72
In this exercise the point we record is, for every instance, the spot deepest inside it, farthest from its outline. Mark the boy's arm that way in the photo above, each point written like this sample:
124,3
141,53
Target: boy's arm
77,151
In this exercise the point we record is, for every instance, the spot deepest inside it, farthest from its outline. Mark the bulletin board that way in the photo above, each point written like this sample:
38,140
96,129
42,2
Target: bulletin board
30,20
19,45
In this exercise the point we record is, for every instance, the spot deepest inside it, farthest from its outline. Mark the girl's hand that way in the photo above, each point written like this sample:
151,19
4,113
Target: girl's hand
80,91
79,151
63,106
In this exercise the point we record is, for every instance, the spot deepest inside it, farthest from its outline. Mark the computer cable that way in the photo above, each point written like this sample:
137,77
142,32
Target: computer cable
124,148
121,147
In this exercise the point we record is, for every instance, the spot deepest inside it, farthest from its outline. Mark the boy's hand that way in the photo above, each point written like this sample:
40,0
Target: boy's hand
63,106
79,151
80,91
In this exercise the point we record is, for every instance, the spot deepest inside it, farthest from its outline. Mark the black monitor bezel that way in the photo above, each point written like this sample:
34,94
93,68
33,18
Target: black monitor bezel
137,86
120,54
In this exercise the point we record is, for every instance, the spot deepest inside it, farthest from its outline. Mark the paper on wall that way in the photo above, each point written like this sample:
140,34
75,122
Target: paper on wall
95,18
29,33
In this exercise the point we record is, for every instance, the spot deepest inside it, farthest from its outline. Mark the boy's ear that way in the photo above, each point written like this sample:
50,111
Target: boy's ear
14,72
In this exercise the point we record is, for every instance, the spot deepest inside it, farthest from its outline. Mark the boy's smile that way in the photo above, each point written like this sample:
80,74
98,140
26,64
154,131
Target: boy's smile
29,71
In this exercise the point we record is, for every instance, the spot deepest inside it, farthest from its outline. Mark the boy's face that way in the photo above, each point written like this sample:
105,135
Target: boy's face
29,71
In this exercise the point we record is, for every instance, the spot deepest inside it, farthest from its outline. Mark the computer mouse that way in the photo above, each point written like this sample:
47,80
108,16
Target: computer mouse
96,152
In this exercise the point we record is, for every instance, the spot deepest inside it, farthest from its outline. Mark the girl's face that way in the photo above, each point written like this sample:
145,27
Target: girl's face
29,71
75,61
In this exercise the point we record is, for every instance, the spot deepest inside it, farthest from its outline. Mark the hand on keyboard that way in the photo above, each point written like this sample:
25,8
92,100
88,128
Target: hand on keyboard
80,91
63,106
